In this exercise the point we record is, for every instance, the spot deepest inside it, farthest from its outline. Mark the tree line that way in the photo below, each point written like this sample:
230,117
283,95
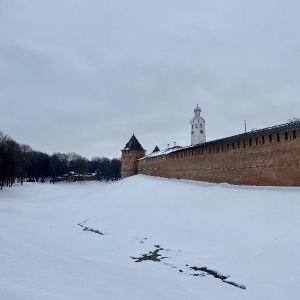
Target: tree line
19,162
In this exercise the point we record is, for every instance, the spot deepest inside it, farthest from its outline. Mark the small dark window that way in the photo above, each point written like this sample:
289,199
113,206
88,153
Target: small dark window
278,137
294,134
250,142
270,138
263,139
244,144
256,141
232,146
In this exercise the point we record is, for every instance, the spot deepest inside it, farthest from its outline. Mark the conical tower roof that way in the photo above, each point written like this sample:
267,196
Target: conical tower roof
133,144
156,149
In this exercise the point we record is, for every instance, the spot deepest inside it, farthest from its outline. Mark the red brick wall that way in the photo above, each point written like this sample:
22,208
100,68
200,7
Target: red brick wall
129,162
267,160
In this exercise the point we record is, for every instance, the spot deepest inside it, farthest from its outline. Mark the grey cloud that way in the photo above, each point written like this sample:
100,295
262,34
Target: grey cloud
82,76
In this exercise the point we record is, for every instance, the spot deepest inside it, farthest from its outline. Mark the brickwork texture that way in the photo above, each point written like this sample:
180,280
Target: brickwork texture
270,160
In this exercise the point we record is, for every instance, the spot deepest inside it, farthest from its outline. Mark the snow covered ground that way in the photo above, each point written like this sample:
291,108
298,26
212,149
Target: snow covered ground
149,238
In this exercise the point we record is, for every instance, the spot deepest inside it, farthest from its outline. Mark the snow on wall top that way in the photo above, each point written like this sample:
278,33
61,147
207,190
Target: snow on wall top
235,138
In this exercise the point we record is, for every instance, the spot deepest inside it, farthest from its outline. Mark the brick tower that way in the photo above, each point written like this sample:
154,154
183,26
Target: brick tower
132,151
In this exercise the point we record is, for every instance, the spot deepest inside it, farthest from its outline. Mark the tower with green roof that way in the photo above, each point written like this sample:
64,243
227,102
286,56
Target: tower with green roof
132,151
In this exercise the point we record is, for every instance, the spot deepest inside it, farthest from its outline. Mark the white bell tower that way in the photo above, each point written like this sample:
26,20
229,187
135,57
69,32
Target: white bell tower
197,128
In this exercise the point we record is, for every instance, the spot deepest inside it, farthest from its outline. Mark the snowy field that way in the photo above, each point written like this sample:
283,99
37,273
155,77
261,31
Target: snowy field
149,238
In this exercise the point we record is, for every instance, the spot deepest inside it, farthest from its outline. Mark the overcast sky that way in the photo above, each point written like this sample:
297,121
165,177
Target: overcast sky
83,75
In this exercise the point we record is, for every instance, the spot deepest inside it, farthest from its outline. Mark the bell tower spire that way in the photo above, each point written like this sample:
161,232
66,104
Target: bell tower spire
198,135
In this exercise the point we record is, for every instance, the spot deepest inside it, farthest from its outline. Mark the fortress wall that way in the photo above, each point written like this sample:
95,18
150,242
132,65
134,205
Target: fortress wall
129,162
272,160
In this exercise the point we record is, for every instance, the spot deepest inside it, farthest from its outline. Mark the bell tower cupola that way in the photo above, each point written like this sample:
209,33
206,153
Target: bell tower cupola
198,135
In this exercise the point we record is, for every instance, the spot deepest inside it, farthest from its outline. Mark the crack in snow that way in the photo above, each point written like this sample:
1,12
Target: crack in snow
155,256
205,271
152,255
85,228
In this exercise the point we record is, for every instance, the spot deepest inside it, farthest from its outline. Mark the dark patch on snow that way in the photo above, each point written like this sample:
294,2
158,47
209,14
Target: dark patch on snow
241,286
156,256
152,255
85,228
205,271
210,272
170,265
200,275
142,242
